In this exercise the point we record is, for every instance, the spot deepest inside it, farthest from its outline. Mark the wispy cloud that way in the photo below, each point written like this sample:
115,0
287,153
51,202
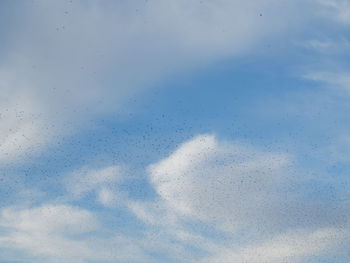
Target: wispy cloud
83,59
337,9
66,64
224,188
335,80
102,182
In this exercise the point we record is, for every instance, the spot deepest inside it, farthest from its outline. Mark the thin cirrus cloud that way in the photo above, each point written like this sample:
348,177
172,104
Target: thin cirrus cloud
77,60
102,182
239,186
228,187
234,173
290,247
43,231
56,233
335,80
212,200
332,47
239,189
339,10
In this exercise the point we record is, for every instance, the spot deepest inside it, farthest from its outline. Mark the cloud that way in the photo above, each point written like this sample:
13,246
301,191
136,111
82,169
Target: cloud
68,62
49,219
337,80
328,46
47,231
216,201
296,246
21,123
223,181
103,182
63,233
107,197
64,64
249,196
339,10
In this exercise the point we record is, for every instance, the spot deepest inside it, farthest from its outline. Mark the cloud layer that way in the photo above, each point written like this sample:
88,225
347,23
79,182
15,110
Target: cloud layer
237,195
77,60
67,64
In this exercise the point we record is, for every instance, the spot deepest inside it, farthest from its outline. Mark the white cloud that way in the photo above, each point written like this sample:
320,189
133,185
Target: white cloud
244,192
103,182
85,59
62,233
337,9
107,197
47,231
87,179
221,181
328,46
49,219
21,128
296,246
228,188
337,80
56,233
154,213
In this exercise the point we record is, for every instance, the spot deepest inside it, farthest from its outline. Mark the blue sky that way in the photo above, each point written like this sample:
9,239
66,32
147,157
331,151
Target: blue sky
211,131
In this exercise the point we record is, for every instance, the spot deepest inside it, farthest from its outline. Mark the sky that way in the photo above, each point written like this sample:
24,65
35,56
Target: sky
153,131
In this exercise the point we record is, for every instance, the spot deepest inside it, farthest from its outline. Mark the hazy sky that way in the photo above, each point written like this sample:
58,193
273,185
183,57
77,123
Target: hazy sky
175,131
